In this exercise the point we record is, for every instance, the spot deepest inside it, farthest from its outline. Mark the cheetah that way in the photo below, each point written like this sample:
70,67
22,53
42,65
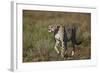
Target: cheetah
62,35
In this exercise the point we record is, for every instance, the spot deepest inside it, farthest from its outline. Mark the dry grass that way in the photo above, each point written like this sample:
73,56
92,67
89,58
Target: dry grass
38,43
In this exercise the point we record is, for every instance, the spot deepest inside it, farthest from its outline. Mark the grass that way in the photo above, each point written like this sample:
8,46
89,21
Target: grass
38,43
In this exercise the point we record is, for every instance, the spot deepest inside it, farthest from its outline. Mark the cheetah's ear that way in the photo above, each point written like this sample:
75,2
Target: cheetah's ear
58,26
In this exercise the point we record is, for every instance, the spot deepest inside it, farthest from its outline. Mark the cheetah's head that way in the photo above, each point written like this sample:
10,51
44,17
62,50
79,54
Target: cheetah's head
53,28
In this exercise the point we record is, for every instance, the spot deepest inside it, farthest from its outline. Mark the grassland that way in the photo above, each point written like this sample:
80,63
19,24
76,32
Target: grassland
38,43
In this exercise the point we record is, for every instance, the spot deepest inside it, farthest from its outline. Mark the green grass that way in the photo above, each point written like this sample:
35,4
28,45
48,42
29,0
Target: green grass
38,43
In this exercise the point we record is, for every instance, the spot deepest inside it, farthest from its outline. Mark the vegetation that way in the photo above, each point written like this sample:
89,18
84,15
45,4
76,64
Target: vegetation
38,43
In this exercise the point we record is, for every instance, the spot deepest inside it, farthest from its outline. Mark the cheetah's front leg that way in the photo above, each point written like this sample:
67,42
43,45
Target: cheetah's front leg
56,47
62,50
